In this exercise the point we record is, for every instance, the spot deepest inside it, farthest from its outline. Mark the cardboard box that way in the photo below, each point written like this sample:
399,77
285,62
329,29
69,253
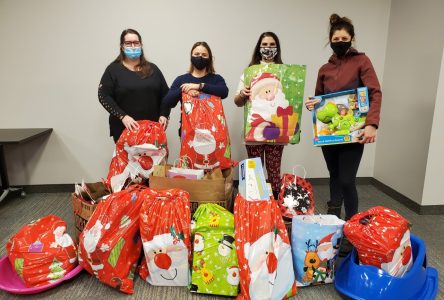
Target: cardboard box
252,183
216,187
82,212
339,117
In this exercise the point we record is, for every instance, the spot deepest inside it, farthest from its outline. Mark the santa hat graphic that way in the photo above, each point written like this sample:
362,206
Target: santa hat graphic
326,239
262,80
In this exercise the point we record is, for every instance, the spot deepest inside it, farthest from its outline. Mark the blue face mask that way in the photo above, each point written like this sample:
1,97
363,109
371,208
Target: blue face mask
132,53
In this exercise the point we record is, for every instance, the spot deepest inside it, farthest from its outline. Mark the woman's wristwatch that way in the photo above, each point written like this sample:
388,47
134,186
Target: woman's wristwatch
201,85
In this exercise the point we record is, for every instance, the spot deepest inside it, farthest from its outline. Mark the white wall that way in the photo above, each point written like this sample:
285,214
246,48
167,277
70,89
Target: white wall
432,194
411,73
54,52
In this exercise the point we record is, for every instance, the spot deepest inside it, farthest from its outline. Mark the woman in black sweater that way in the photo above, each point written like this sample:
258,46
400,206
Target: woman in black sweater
132,88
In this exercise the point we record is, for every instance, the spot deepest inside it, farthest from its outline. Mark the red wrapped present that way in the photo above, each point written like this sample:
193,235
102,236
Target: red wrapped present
42,252
110,244
263,250
382,239
165,220
204,136
137,152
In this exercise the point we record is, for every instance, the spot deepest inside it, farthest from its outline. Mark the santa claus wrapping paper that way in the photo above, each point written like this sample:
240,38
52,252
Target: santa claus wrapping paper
110,244
137,152
204,136
42,252
315,241
382,238
215,268
273,112
263,250
165,220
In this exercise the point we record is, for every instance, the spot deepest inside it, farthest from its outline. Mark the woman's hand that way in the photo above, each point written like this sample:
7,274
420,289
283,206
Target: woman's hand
368,135
310,103
245,93
164,122
130,123
193,93
186,87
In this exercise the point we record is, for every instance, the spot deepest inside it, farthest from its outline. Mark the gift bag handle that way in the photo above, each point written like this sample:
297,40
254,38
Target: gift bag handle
299,166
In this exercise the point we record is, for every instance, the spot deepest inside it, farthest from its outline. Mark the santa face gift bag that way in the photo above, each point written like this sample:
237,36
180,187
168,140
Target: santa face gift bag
165,230
382,238
215,269
273,112
263,250
315,241
137,152
296,196
204,137
110,244
42,252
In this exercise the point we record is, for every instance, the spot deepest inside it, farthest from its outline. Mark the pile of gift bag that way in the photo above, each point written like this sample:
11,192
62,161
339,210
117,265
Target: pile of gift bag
175,225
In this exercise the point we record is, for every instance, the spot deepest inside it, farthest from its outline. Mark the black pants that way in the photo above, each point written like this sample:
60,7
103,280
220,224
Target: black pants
343,163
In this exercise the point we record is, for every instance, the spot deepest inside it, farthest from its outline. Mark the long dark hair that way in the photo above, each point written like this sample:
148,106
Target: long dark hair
338,23
144,66
210,68
256,58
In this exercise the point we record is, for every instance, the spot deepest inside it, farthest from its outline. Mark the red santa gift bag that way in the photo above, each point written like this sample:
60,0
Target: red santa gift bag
204,137
110,245
137,152
165,220
263,250
296,196
382,239
42,252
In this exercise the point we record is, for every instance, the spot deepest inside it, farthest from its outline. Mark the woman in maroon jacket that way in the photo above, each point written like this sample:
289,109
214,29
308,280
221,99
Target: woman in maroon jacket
347,69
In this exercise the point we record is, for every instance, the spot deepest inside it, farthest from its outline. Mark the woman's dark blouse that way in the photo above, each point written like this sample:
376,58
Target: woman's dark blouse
124,92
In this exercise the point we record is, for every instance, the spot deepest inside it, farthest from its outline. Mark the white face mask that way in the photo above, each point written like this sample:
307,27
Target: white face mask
268,53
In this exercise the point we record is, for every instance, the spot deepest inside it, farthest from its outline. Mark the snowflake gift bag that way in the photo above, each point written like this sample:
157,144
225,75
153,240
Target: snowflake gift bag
263,250
165,220
215,268
137,152
110,245
315,241
204,137
382,238
273,112
42,252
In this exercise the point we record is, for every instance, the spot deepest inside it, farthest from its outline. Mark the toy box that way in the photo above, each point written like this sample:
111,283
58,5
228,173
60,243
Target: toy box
339,117
252,184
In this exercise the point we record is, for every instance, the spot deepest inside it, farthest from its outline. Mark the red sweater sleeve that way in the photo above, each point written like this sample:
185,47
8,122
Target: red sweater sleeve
370,80
319,83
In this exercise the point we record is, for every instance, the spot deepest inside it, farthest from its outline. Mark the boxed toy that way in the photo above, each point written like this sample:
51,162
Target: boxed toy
339,117
252,184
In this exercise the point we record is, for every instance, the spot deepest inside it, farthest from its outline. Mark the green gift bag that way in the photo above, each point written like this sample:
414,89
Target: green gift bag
215,268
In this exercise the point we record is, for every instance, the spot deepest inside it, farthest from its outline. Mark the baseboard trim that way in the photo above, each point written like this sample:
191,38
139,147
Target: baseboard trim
409,203
406,201
49,188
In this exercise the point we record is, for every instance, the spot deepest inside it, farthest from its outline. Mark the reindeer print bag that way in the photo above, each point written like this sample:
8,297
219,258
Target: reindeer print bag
296,196
315,241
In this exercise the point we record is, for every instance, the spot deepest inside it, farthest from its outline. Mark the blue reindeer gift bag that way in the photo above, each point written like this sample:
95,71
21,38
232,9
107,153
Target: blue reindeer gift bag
315,245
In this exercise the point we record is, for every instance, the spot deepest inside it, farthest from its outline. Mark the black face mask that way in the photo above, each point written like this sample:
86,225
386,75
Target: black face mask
340,48
200,62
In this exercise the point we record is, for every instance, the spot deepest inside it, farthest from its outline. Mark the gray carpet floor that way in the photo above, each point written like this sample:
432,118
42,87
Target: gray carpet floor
15,212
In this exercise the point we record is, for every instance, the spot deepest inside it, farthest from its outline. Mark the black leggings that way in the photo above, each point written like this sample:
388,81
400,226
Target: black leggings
343,163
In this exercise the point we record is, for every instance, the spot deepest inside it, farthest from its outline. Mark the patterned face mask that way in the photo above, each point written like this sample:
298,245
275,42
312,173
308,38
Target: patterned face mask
268,53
